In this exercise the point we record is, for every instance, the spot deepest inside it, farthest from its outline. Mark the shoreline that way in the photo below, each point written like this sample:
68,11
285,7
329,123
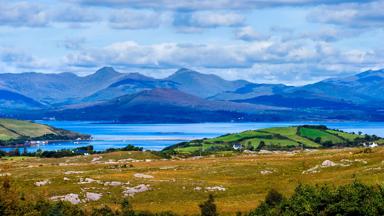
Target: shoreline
40,142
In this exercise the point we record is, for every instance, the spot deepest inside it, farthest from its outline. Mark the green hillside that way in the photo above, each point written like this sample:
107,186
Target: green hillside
279,138
17,132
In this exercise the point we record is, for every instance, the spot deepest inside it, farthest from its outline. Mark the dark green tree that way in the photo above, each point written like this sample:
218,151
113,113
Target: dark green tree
103,211
208,208
126,208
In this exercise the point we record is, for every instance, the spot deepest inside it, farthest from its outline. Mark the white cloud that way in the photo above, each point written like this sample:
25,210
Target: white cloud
27,14
357,15
74,43
214,19
289,62
207,4
131,19
23,14
247,33
192,22
15,59
74,14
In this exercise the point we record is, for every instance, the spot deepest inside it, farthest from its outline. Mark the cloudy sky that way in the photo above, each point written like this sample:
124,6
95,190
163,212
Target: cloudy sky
272,41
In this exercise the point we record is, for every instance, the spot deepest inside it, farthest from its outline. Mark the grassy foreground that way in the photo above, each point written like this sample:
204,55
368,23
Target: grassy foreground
238,181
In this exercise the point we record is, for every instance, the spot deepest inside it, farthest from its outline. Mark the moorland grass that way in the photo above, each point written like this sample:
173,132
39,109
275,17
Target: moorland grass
174,182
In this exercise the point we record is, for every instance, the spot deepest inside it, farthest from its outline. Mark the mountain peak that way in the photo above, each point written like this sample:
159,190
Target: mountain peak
188,73
104,73
369,73
185,71
106,70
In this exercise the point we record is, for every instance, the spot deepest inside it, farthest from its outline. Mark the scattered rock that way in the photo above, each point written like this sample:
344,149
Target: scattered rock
215,188
168,167
140,175
73,172
265,152
249,152
314,169
72,198
96,159
5,174
89,180
113,183
346,161
361,161
374,169
93,196
42,183
328,163
265,172
131,191
126,160
196,157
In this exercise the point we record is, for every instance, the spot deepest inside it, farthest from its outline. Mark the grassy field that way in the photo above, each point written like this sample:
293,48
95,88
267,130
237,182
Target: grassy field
324,135
20,131
273,138
179,185
13,129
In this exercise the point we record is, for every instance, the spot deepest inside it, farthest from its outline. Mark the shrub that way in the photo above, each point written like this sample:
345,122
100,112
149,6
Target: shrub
273,198
351,199
208,208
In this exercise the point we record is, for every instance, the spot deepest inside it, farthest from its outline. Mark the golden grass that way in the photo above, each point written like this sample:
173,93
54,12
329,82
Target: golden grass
174,182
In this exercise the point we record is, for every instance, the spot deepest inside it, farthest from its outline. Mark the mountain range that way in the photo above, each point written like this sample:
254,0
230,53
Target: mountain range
187,96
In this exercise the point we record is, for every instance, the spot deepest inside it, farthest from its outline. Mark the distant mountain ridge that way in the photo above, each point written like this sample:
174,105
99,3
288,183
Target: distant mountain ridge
58,88
167,104
111,95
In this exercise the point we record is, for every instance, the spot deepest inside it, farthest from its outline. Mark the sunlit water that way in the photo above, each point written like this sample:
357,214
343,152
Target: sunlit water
158,136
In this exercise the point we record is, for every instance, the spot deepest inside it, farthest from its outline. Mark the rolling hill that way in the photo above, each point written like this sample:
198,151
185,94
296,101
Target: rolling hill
14,132
281,138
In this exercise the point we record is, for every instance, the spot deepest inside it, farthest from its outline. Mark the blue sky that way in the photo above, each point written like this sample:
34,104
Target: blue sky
270,41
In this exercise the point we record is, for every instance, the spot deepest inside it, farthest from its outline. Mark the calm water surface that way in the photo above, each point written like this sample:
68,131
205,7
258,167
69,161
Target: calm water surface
158,136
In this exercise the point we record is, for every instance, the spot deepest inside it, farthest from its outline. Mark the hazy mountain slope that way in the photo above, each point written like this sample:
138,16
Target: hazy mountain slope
251,90
130,84
363,88
158,105
58,88
43,87
14,100
203,85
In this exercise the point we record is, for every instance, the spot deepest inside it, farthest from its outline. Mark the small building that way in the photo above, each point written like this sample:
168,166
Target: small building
237,146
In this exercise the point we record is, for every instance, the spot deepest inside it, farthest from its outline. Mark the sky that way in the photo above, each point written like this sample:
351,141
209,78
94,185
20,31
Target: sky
293,42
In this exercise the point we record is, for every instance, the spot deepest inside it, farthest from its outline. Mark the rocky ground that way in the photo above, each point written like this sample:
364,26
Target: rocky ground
239,181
